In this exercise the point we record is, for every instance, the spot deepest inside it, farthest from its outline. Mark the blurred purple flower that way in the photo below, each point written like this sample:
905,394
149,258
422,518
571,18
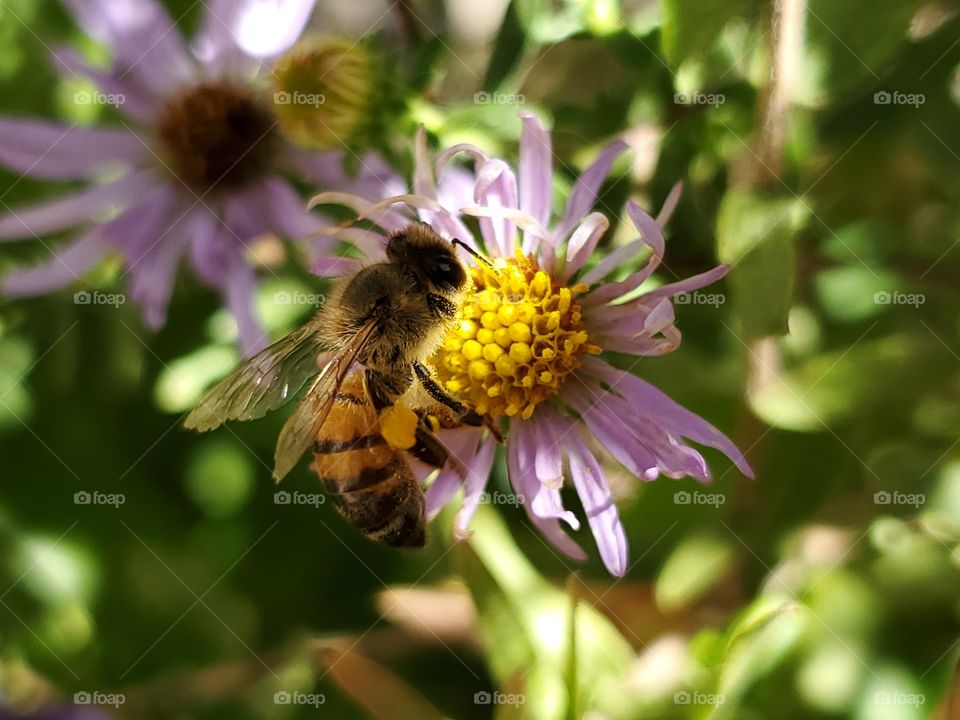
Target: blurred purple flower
197,168
528,342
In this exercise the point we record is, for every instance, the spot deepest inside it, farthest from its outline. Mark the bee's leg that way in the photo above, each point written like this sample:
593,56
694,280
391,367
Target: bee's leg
463,414
382,391
428,449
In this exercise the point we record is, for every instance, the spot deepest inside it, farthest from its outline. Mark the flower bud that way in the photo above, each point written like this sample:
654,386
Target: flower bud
325,92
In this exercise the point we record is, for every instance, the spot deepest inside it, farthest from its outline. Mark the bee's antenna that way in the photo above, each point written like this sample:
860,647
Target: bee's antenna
478,256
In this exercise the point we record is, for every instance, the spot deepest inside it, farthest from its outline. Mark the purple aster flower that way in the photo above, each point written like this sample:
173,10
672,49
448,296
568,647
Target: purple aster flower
196,168
528,345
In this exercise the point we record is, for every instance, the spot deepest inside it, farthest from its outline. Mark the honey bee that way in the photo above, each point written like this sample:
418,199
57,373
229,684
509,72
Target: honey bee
389,317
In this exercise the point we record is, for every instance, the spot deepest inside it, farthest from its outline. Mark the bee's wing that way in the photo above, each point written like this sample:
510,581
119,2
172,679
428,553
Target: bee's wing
300,430
262,383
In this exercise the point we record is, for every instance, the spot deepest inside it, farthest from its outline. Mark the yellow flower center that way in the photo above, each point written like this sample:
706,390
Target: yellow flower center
518,338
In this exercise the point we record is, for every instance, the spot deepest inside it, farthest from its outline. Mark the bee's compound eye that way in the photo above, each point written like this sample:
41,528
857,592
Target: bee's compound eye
446,273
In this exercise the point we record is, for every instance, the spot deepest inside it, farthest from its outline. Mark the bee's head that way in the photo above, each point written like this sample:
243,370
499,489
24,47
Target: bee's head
431,258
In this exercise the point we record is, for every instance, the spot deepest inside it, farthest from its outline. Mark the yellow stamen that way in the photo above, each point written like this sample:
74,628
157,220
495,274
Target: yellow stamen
518,339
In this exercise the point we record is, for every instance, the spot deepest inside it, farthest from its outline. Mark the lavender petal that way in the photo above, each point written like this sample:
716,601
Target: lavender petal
67,265
63,152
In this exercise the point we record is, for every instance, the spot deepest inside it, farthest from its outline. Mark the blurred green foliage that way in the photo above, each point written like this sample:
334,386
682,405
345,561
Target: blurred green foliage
827,588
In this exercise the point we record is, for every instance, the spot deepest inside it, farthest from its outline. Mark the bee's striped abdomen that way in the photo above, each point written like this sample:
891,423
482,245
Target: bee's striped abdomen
370,483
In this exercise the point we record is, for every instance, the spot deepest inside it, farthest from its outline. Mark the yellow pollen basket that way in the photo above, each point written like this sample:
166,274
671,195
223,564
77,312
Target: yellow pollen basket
398,426
518,338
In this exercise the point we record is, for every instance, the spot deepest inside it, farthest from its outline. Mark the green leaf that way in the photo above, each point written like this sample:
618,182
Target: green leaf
755,235
691,27
548,645
507,49
695,566
763,638
853,42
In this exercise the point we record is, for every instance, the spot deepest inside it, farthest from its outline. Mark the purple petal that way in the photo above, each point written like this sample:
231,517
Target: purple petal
585,190
478,473
266,28
209,248
379,214
672,416
606,416
137,103
584,241
445,220
670,204
542,504
64,152
497,188
67,265
146,42
651,235
635,328
270,206
335,266
598,504
536,170
152,277
215,45
241,287
375,179
83,206
690,284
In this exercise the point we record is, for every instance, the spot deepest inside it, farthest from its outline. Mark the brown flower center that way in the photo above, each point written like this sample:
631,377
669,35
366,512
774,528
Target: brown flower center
216,135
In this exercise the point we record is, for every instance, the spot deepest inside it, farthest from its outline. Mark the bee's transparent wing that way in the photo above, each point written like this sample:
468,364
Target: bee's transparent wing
300,430
262,383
